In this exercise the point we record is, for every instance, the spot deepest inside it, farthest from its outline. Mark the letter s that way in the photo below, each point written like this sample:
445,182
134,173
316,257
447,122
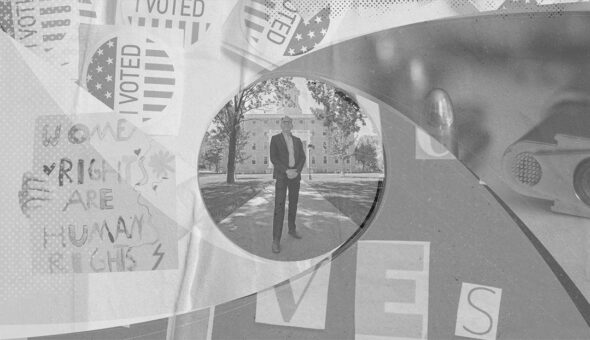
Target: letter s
481,310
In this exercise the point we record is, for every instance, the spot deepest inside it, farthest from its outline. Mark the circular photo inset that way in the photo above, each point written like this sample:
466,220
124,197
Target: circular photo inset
291,168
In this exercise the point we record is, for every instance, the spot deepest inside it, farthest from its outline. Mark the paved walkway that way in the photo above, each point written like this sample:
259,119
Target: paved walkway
322,226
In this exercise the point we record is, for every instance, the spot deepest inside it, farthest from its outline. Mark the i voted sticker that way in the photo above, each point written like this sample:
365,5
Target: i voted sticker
133,75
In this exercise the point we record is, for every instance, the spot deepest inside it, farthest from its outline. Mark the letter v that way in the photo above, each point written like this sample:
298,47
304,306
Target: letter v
286,298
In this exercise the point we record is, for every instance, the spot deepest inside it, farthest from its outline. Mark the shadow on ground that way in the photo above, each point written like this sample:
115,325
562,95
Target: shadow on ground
321,224
222,199
353,198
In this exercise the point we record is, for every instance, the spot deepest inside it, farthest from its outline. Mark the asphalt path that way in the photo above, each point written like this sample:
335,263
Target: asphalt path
322,226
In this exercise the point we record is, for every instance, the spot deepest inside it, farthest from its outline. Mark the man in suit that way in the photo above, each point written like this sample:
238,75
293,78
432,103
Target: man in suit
288,158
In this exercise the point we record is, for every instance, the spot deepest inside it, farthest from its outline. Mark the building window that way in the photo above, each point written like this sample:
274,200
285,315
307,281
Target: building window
313,121
336,160
312,160
325,160
254,146
324,133
265,160
348,161
265,147
265,134
301,121
254,162
253,122
277,121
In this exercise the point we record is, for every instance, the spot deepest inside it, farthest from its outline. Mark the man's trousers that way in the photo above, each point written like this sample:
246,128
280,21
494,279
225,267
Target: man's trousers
281,186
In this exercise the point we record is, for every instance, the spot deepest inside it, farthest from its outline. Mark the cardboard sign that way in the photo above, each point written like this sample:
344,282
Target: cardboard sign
297,303
392,290
477,316
114,197
429,148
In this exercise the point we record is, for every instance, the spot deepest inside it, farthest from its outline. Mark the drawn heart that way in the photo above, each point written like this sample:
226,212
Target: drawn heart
48,169
137,151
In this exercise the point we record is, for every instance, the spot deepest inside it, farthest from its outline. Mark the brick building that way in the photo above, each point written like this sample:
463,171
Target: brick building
262,124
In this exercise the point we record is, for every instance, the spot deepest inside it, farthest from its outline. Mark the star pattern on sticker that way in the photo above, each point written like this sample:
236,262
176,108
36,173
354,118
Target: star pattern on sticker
309,34
6,20
100,77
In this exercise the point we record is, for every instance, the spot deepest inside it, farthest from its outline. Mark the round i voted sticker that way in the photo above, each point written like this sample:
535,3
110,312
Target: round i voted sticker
191,17
39,24
133,75
276,29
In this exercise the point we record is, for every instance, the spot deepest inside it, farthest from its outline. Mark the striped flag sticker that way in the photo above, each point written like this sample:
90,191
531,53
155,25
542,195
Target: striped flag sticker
190,17
6,19
256,17
276,29
87,10
133,75
37,23
97,12
48,28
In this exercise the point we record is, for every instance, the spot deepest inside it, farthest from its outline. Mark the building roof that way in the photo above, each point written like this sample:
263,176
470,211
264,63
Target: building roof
277,116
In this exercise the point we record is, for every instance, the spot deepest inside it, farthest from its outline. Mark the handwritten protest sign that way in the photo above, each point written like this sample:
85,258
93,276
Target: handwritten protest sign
114,203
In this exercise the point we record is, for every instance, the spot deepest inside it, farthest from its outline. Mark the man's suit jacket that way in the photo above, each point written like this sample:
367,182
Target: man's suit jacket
279,155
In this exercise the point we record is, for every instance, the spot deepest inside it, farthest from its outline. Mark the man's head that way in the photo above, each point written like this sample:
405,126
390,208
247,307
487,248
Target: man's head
286,124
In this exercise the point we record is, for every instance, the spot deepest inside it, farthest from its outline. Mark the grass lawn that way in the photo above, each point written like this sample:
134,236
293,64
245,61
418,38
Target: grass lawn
221,199
353,198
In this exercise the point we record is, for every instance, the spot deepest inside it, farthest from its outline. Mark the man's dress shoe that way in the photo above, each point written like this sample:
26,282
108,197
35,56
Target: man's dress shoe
276,248
295,234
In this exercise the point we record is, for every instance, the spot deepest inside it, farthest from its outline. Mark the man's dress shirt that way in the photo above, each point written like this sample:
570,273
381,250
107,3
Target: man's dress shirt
289,142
